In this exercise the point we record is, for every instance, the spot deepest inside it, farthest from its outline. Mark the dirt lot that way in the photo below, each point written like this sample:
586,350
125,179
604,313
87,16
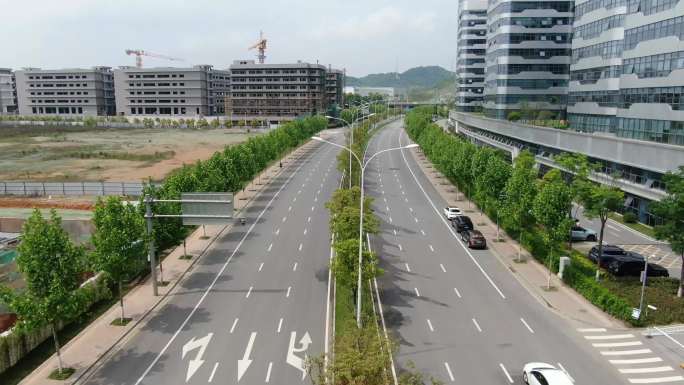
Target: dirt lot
112,154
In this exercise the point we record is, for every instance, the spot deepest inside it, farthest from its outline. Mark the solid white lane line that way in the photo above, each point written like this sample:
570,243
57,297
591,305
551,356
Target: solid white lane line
400,248
294,268
300,247
416,290
565,371
430,326
625,352
268,372
591,330
442,267
280,325
270,247
431,248
249,292
610,337
422,231
448,369
508,376
407,267
213,372
232,328
659,380
658,369
287,295
261,266
305,230
457,292
439,214
526,325
616,344
633,361
477,325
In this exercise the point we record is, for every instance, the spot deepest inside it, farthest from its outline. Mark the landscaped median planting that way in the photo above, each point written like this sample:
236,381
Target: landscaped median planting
537,212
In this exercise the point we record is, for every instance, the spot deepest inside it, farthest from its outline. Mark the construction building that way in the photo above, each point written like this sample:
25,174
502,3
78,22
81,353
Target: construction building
275,93
171,92
335,83
65,92
8,92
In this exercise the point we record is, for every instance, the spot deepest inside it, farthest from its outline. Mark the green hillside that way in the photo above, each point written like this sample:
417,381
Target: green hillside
418,77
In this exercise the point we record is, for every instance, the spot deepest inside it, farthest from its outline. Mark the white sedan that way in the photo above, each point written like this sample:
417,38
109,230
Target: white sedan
539,373
452,212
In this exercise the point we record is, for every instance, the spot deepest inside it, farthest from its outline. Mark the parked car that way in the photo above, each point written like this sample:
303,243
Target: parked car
474,239
452,212
614,253
462,223
634,269
539,373
580,233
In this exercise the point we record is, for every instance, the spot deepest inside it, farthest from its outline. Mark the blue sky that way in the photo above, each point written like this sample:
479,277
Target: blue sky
362,36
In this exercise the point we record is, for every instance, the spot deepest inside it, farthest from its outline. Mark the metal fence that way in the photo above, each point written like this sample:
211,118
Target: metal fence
21,188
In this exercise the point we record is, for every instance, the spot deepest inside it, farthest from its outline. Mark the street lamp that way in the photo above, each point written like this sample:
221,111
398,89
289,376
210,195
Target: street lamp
362,165
351,137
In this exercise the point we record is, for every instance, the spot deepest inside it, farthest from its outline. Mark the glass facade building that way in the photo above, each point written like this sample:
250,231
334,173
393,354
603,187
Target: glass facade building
470,60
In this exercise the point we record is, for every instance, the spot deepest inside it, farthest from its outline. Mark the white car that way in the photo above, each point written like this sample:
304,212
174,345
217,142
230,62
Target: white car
452,212
539,373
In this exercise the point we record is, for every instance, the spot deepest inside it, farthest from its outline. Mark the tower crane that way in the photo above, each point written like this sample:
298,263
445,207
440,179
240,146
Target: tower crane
261,47
140,53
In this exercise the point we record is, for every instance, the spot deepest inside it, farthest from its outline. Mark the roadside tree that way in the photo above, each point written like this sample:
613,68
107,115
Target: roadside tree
119,241
671,210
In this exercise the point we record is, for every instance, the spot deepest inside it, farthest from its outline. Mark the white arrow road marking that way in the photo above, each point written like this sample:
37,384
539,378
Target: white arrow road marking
244,363
294,360
195,363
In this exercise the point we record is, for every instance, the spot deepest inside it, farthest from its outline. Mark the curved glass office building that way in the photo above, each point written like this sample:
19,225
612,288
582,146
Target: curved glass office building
470,61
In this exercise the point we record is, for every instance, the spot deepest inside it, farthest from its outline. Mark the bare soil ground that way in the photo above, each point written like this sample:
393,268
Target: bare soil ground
110,154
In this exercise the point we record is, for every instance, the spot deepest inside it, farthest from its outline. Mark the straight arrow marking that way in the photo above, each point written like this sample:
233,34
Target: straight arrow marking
245,362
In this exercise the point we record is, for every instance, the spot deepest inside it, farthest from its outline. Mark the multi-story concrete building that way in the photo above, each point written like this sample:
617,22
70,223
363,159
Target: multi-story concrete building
334,87
635,88
470,60
528,57
65,92
275,92
8,92
182,92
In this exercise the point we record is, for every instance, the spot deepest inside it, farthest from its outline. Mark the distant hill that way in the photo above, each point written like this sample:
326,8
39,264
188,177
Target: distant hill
418,77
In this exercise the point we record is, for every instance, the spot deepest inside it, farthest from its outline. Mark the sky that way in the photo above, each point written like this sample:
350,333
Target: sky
361,36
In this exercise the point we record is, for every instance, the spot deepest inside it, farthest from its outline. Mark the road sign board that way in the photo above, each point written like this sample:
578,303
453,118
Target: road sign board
207,208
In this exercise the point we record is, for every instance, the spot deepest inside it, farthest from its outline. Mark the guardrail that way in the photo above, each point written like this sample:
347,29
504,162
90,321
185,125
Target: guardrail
28,188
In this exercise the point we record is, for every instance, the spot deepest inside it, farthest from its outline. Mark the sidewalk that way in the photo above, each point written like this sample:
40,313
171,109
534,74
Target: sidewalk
96,342
532,275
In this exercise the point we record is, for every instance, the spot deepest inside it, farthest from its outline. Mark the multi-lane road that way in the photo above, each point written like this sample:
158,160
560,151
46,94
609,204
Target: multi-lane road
256,304
459,315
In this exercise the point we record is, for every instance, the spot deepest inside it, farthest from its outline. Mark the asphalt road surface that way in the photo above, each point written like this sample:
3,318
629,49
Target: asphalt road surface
255,305
459,315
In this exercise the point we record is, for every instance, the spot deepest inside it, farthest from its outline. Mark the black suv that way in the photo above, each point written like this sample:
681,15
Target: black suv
634,269
613,253
462,223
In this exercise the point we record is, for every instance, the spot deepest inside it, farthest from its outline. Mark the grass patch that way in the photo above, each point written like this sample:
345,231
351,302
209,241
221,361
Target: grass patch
121,322
640,227
153,157
185,257
61,375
